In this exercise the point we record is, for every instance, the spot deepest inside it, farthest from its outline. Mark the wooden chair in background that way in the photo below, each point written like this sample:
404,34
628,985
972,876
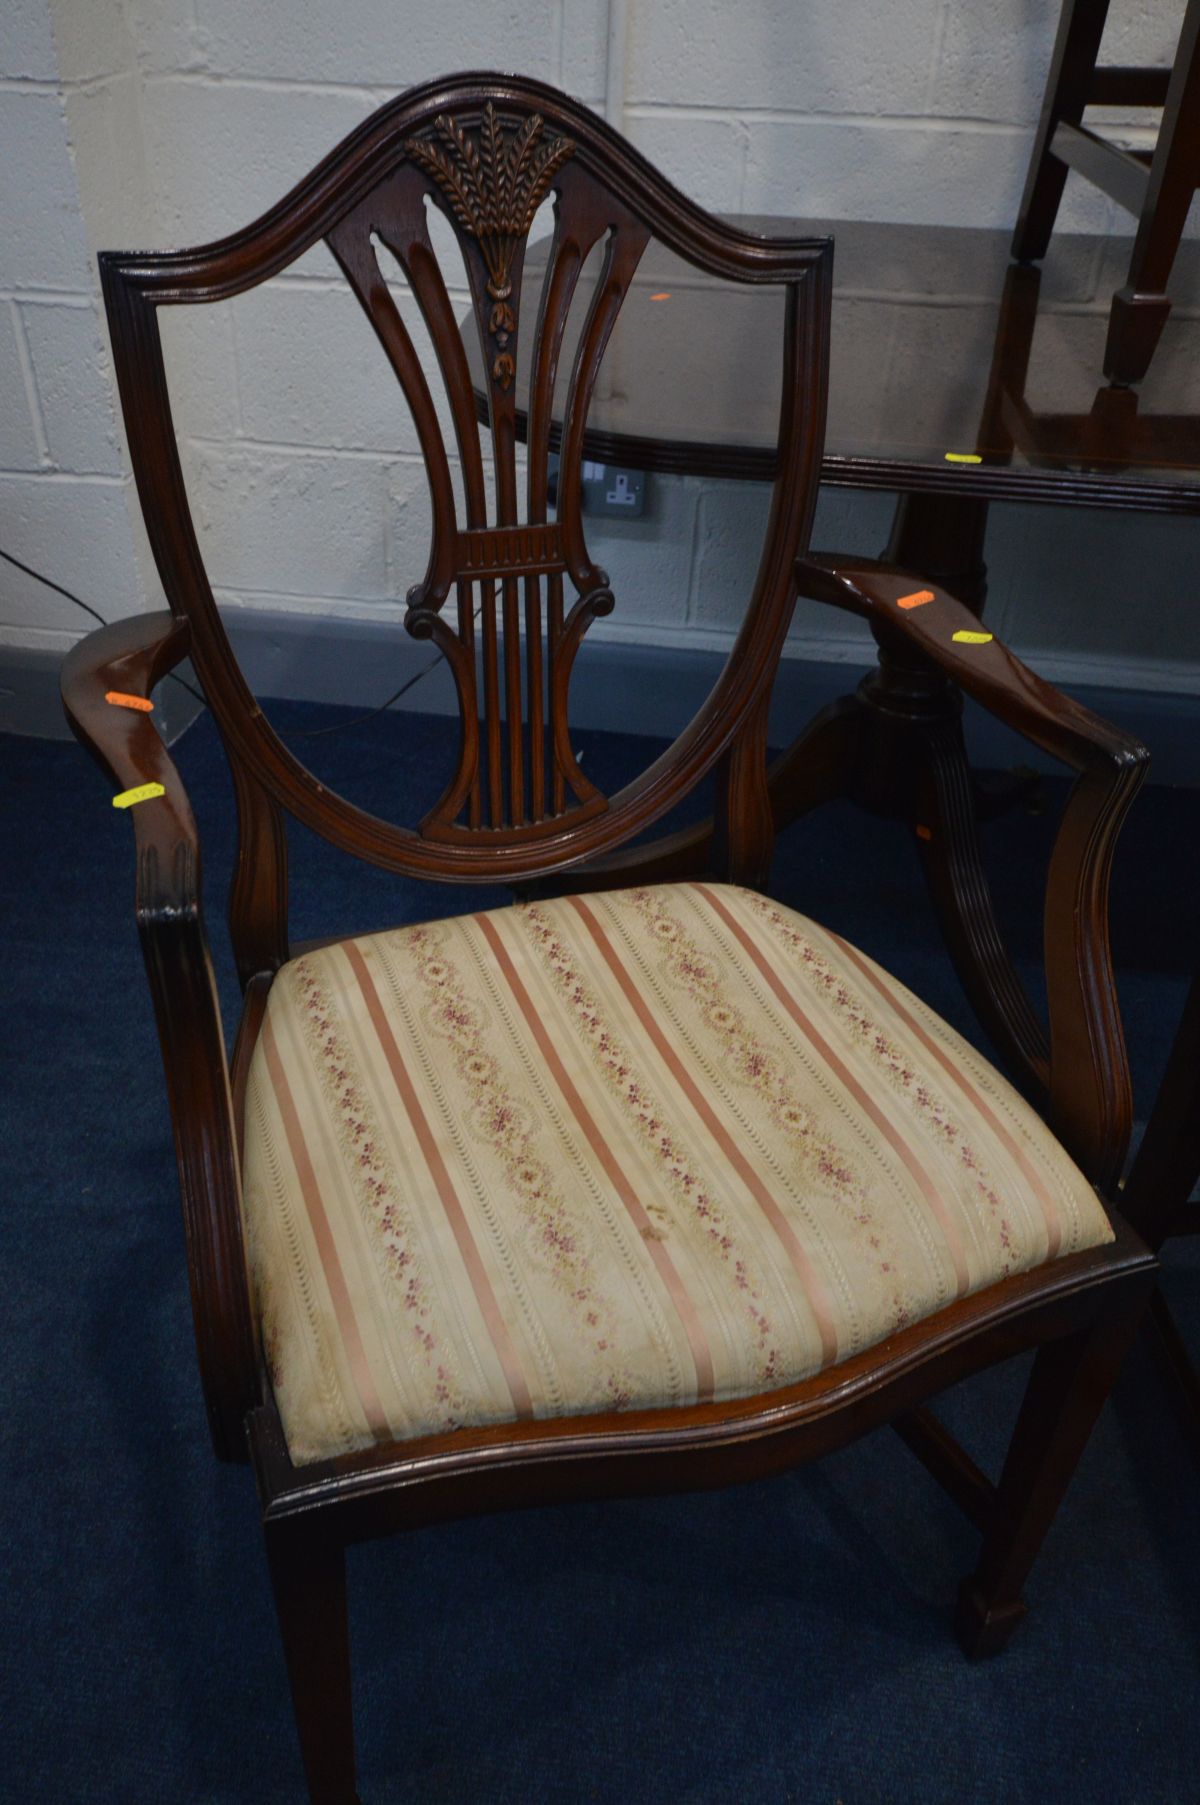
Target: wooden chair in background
639,1189
1121,429
1157,188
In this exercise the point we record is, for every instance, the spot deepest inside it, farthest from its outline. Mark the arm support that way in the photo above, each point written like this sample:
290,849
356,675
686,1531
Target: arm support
1090,1095
129,657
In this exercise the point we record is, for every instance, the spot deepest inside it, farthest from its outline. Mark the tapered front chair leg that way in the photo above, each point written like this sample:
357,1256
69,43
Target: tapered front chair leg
308,1574
1067,1389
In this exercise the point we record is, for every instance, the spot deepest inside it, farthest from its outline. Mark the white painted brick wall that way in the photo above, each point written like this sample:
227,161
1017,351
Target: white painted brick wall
20,441
71,371
188,117
198,350
76,530
40,225
304,523
829,56
26,42
310,353
391,46
219,153
62,488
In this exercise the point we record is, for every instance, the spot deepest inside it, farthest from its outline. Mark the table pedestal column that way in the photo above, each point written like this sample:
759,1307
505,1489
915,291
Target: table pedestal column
942,537
912,765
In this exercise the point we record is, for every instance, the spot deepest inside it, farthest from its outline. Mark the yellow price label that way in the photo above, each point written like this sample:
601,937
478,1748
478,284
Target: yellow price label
967,638
962,457
145,792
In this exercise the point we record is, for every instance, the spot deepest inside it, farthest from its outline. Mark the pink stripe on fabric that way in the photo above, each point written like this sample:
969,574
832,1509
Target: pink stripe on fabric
684,1307
335,1278
815,1289
485,1296
893,1137
975,1097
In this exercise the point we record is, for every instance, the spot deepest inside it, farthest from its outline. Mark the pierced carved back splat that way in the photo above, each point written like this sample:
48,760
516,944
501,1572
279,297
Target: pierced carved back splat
516,768
517,805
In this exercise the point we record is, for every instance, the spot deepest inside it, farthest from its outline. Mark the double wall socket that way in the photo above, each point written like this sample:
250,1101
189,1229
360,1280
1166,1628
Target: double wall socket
607,489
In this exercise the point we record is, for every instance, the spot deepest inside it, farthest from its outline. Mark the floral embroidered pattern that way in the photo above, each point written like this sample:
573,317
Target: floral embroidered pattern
510,1131
556,1077
673,1162
365,1157
895,1066
765,1071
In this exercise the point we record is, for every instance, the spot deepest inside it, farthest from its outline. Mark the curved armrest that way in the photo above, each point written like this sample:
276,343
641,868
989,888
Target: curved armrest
1090,1096
990,673
130,657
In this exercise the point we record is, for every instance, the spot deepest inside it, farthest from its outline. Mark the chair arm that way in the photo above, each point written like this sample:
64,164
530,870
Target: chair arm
1090,1096
988,672
129,658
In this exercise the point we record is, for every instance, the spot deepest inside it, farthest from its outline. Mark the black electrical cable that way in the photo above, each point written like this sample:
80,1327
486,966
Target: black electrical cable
57,587
310,733
87,609
316,733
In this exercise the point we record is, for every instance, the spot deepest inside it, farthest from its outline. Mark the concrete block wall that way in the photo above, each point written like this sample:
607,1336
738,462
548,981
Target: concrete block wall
171,121
63,507
918,110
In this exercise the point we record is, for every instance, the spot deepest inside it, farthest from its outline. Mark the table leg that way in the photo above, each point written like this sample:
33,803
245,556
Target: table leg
942,536
912,765
816,767
948,842
874,746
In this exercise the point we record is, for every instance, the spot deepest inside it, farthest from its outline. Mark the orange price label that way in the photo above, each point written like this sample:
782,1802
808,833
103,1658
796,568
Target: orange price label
917,599
119,699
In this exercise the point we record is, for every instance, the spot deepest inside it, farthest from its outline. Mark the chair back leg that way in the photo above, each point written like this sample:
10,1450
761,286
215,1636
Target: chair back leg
1080,29
1140,309
1160,197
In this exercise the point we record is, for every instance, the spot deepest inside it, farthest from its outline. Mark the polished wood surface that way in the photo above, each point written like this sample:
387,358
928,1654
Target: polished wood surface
923,335
503,817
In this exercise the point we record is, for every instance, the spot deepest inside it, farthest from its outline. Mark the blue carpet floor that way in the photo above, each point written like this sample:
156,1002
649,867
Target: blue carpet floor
785,1641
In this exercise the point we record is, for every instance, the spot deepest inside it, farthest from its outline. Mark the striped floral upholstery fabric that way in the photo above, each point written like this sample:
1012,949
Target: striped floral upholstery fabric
645,1148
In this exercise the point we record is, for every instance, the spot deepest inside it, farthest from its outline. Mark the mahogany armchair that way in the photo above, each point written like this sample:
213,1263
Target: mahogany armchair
636,1189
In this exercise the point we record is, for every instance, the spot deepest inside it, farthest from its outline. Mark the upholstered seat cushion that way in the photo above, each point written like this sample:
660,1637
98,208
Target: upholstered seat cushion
645,1148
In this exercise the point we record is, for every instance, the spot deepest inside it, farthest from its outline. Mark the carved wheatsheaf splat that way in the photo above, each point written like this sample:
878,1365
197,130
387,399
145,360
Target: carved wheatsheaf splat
516,634
494,188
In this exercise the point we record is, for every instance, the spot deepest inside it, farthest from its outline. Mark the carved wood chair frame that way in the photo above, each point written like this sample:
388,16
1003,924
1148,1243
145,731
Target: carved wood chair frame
485,149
